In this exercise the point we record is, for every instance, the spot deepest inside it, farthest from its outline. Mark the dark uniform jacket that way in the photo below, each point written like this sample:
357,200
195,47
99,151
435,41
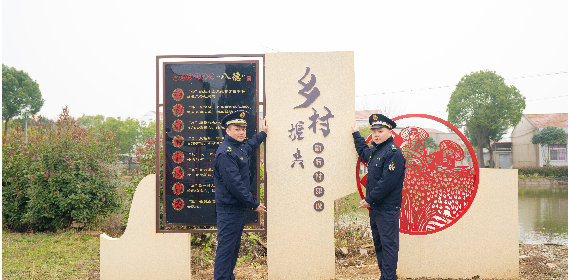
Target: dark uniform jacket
231,171
386,172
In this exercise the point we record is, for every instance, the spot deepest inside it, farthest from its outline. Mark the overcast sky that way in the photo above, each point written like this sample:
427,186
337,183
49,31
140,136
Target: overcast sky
98,57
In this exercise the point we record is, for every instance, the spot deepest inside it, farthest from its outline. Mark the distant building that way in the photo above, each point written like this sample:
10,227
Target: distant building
502,155
527,154
150,116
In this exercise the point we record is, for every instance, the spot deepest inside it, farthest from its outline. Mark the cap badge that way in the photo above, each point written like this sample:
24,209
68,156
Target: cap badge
375,117
242,115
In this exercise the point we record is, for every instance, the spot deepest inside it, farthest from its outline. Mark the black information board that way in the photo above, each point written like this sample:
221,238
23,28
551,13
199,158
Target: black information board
197,96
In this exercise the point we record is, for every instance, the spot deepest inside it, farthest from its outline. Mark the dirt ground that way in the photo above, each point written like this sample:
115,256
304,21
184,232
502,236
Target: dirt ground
548,261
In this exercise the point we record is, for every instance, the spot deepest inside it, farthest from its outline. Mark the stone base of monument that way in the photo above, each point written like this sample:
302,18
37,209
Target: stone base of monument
484,242
141,253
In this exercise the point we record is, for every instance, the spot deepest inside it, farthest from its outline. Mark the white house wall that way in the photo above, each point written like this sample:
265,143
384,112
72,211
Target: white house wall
524,152
544,154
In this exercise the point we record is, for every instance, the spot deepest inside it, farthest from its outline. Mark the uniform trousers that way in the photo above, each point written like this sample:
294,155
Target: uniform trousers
231,221
385,226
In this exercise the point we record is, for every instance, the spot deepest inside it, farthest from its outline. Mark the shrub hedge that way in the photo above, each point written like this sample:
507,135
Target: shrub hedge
145,156
546,171
58,174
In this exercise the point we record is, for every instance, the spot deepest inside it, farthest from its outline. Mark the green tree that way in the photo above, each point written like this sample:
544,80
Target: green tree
483,104
550,136
148,130
365,130
86,121
430,145
128,132
21,96
495,135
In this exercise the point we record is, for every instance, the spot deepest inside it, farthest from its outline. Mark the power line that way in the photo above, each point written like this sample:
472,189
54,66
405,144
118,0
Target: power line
538,75
446,86
548,97
526,100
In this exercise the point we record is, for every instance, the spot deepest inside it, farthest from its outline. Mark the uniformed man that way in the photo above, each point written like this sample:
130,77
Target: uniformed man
233,194
386,171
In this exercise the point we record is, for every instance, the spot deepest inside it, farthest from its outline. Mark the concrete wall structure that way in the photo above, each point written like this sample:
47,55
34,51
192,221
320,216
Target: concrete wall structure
483,242
300,240
141,253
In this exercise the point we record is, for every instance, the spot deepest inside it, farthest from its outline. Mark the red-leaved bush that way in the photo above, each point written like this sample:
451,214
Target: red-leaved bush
60,174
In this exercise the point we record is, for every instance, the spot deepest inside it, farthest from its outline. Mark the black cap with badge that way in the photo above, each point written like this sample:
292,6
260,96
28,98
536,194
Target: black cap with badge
379,120
238,118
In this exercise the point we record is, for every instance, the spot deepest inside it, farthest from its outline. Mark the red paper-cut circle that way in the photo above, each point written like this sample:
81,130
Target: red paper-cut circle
436,192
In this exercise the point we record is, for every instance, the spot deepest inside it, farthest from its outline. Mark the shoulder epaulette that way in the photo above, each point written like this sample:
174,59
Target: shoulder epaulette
394,148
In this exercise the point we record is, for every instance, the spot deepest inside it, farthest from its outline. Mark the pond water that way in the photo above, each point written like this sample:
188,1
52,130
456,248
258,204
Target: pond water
543,214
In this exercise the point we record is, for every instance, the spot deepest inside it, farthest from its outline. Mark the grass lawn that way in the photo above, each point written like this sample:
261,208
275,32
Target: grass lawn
60,255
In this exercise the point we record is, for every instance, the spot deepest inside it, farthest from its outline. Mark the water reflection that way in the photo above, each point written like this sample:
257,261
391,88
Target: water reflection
543,215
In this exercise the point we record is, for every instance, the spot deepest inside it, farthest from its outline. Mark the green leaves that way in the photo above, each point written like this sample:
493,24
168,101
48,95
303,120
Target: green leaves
547,137
546,171
550,136
130,132
430,145
485,107
21,95
63,174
